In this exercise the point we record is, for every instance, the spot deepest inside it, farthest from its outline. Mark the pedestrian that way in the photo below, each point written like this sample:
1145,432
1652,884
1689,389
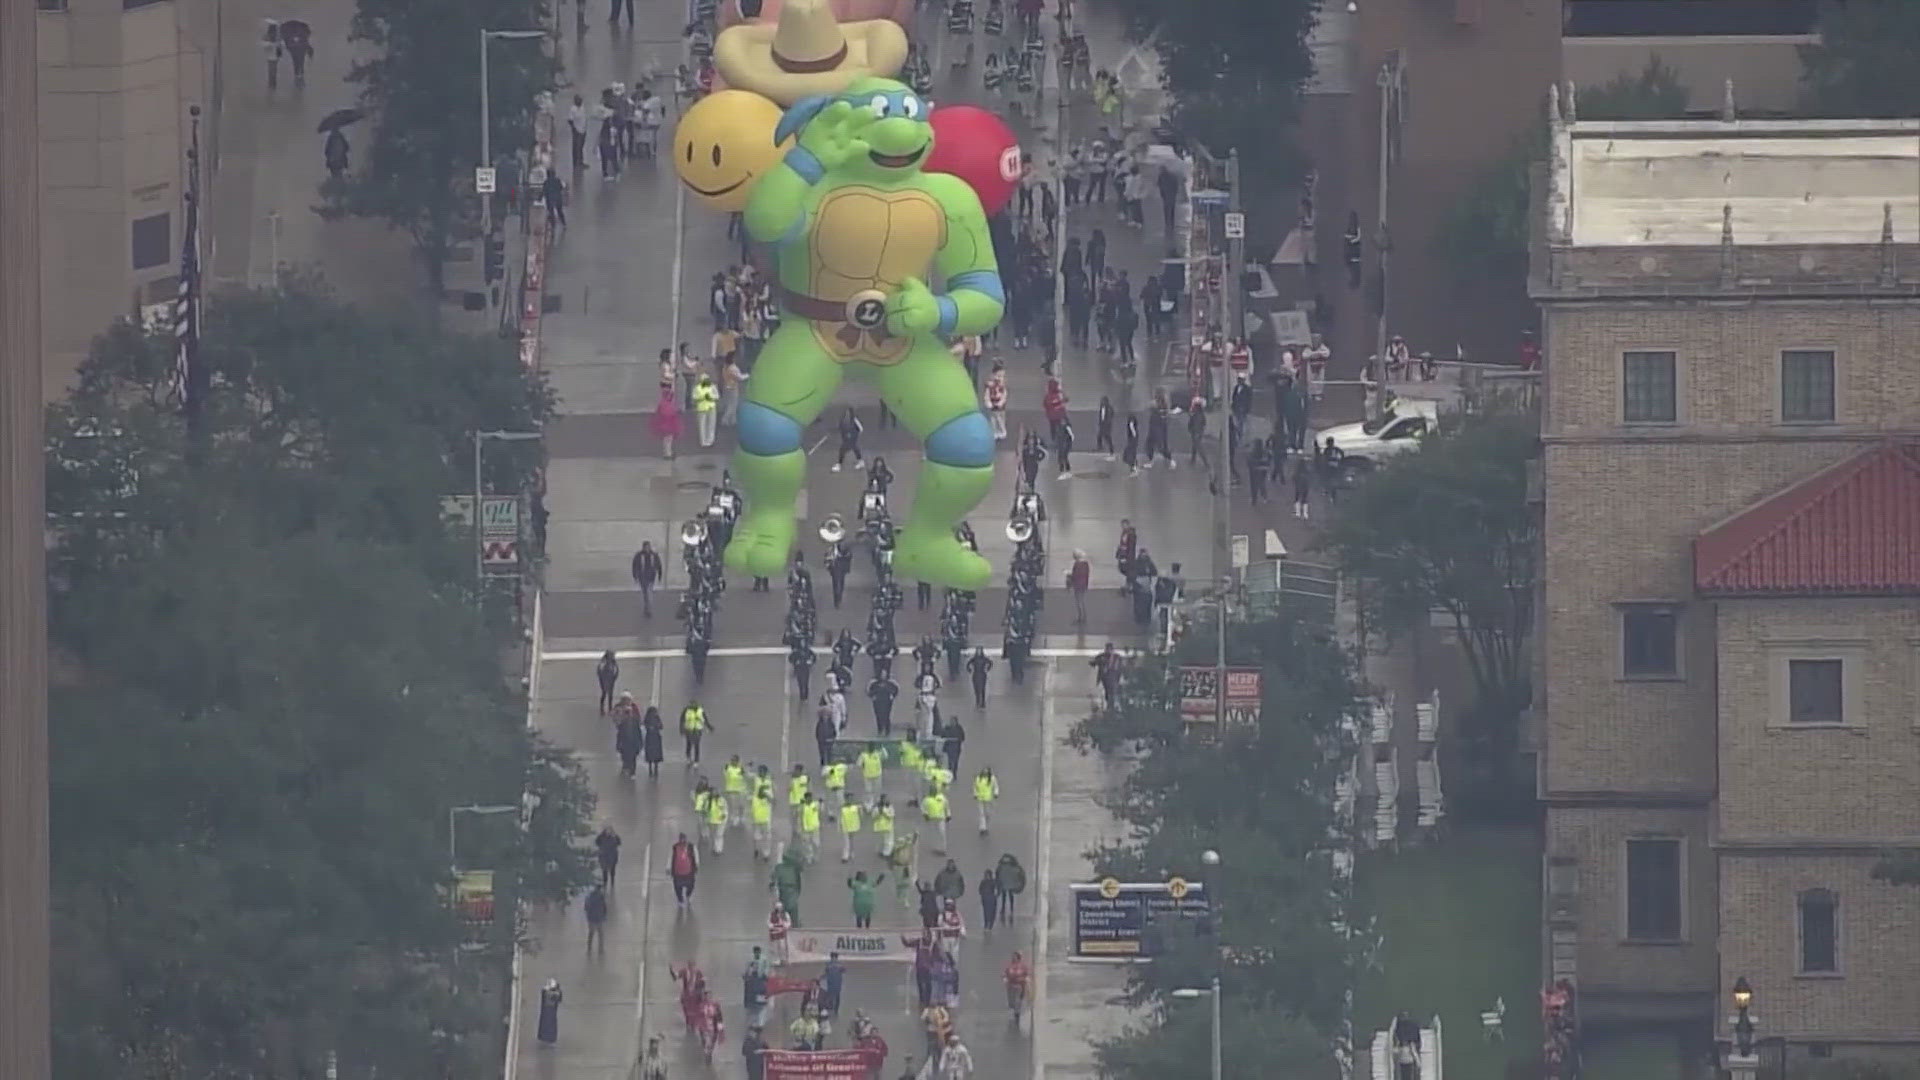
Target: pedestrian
850,429
760,818
627,742
978,665
717,821
577,127
299,51
613,15
787,882
1303,489
1158,420
667,422
274,49
883,818
953,738
753,1047
934,808
986,788
606,847
833,979
1013,881
882,691
554,193
824,732
1079,577
732,379
988,891
608,672
548,1029
801,659
1169,196
653,741
1063,448
693,727
1130,453
862,889
1197,433
809,832
683,866
596,910
849,819
994,396
1259,461
706,408
779,924
647,570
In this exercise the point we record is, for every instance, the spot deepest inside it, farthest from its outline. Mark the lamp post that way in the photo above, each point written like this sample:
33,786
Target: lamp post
1211,991
1742,1062
453,826
486,115
479,497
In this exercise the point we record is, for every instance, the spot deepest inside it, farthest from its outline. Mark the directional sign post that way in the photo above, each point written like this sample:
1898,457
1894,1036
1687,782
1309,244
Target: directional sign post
1236,225
500,534
484,179
1115,921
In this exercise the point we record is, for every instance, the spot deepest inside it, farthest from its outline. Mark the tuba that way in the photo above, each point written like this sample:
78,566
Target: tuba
833,529
693,533
1020,528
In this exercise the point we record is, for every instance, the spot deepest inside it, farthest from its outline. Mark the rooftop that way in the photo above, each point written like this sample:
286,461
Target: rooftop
1850,530
1690,18
1787,182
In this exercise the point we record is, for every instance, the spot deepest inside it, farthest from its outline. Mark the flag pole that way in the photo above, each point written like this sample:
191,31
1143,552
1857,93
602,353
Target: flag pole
190,378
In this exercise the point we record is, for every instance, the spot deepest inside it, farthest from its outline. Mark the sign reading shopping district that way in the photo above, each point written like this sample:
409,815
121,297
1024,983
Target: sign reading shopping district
814,946
1113,920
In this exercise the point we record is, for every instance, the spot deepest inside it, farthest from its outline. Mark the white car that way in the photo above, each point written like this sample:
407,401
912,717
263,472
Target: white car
1368,443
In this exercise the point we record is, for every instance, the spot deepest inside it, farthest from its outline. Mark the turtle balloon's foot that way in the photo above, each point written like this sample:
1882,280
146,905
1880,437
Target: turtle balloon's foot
761,542
936,556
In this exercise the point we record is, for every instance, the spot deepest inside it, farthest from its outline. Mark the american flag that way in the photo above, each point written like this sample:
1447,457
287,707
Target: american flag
186,306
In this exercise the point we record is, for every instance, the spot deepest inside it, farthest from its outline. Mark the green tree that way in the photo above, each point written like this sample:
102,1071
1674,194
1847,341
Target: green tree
1261,796
423,94
1655,93
1449,527
1233,70
274,683
1487,232
1256,1044
1864,64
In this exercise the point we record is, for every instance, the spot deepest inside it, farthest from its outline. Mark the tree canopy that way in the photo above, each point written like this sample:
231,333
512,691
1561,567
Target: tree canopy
1262,797
1449,527
422,92
1655,92
273,681
1863,65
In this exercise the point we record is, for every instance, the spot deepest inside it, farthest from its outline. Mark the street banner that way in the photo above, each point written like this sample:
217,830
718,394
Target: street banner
1115,920
473,899
1198,689
818,1064
812,946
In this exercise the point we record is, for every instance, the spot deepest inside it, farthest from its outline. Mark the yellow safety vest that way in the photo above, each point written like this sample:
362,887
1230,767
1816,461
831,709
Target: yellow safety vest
935,807
883,819
836,777
762,810
850,818
705,397
736,780
797,789
716,810
692,720
910,755
700,800
763,788
984,788
939,778
871,763
810,817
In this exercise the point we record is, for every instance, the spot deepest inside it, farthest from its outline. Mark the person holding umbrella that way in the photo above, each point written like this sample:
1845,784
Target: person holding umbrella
297,36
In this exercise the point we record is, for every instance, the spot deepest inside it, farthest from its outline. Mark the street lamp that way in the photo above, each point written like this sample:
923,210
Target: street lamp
479,497
486,116
1189,993
453,818
1743,1016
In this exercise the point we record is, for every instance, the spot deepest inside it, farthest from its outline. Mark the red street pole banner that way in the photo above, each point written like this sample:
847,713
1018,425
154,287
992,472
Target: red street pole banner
819,1064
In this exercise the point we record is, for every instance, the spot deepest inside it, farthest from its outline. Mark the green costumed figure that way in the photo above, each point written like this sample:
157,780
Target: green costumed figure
856,223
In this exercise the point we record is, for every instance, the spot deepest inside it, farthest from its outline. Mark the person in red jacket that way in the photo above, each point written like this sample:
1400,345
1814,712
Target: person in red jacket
1054,404
1079,576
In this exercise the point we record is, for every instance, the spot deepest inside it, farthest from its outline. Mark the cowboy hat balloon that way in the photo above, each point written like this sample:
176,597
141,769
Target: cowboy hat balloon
807,51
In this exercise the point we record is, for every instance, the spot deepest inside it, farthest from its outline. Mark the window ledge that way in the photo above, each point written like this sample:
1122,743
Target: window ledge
1658,943
1817,975
1675,677
1801,425
1855,728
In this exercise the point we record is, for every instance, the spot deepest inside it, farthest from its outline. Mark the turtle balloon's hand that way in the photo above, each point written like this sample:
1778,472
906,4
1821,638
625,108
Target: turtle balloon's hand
913,309
833,137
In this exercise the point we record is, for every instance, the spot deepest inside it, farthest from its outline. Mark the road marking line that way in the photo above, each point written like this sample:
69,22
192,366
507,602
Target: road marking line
1043,867
818,443
786,751
646,920
653,696
679,261
755,650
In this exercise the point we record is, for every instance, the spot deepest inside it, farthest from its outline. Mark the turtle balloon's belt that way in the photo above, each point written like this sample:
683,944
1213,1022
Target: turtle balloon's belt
857,311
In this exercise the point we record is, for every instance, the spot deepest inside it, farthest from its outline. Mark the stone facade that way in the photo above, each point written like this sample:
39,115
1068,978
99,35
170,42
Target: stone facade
1700,754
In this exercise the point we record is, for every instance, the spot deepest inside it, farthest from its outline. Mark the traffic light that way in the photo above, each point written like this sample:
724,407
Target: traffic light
496,257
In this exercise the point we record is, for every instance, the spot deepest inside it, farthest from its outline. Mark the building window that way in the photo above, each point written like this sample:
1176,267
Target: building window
1649,641
152,241
129,5
1648,387
1653,889
1819,932
1806,386
51,5
1816,691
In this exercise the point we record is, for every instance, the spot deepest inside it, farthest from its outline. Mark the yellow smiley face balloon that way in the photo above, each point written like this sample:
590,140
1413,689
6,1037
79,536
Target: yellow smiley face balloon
723,144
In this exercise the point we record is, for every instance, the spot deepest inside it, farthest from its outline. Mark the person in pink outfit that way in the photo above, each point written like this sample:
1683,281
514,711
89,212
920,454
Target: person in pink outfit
667,419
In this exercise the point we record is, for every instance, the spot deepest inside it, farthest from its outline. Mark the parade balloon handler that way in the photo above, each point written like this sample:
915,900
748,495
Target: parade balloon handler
856,221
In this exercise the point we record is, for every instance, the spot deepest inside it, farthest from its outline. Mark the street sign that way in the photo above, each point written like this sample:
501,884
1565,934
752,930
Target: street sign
1242,551
1291,328
500,555
1236,225
484,179
500,516
1198,694
1115,920
457,510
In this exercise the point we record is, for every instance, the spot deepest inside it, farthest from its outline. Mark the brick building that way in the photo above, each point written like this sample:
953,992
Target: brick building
1729,693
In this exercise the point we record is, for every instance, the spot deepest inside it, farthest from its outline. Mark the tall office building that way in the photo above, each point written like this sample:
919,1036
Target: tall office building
23,621
1730,645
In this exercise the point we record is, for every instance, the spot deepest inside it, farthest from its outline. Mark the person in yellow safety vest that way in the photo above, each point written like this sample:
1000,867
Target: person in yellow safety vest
883,825
835,779
929,769
934,807
706,400
693,724
910,756
703,796
762,782
717,820
849,824
760,818
736,784
796,794
986,788
809,828
873,763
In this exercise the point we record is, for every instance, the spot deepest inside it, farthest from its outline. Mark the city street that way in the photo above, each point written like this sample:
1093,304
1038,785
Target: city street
631,272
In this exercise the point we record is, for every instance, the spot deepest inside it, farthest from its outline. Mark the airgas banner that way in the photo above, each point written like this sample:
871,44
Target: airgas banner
818,1064
813,946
